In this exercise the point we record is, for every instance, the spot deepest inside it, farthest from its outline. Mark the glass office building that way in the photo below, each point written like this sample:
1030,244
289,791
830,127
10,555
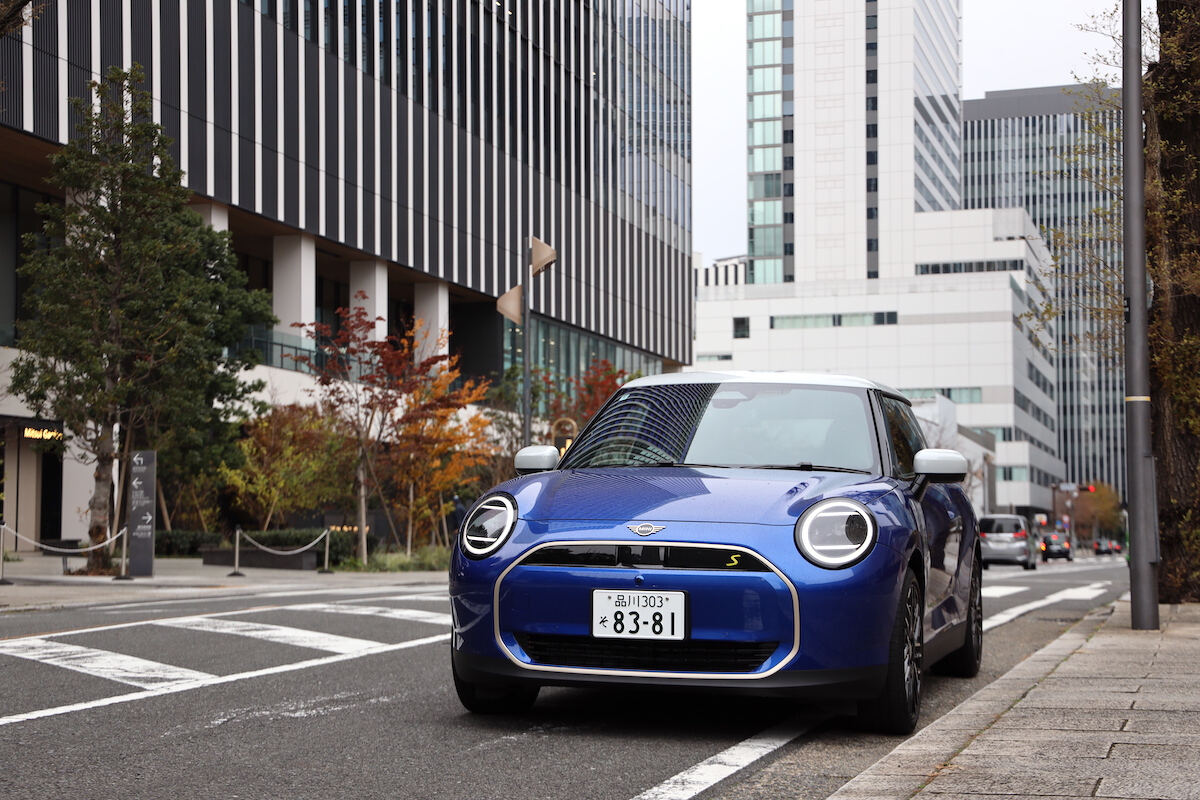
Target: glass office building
1051,150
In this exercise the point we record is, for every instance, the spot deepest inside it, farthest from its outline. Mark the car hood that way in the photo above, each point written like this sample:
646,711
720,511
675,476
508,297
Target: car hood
684,494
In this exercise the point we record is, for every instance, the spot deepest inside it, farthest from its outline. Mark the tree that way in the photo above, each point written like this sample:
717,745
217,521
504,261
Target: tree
132,322
1172,152
390,397
582,396
294,459
16,14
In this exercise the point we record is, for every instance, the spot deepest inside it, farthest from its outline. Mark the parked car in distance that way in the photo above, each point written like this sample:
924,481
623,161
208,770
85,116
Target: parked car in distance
764,533
1005,539
1105,546
1057,545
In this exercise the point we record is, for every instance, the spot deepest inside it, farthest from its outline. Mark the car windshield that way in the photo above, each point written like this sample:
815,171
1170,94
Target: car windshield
994,525
730,425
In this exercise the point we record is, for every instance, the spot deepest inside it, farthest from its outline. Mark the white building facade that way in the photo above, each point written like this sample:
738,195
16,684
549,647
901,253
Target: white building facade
877,273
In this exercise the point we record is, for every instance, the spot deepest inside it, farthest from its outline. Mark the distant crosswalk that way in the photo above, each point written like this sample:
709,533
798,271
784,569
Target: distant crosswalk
153,677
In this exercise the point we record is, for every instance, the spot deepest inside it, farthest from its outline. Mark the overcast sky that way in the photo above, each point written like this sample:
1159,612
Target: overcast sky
1007,44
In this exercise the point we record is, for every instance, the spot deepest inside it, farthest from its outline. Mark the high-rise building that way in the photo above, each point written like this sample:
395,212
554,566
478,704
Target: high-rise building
861,257
405,149
1052,151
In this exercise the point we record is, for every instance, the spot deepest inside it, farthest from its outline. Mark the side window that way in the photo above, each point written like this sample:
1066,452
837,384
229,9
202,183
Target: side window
904,433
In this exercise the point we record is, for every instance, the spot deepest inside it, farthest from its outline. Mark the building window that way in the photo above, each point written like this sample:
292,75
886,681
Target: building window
872,76
789,189
789,217
872,131
789,163
872,157
714,357
872,245
787,136
872,184
741,327
872,212
872,21
872,104
872,47
789,248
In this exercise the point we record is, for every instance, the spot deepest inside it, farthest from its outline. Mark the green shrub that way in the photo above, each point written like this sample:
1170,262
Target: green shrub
169,544
430,558
342,544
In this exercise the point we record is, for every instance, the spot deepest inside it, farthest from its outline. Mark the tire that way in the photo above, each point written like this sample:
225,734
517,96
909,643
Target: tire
985,565
481,698
898,705
964,662
1030,563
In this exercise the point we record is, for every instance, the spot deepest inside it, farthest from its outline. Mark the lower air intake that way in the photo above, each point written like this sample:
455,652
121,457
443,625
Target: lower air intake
694,655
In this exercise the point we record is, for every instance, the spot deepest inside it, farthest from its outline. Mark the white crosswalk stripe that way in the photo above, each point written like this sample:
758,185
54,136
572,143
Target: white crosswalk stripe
279,634
1002,591
102,663
410,614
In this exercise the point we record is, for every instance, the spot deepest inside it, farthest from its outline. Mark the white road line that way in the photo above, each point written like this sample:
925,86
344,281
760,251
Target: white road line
1075,593
101,663
310,590
279,634
428,597
410,614
213,680
1003,591
694,780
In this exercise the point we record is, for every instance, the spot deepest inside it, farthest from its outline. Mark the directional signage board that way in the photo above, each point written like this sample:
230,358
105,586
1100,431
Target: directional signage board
140,513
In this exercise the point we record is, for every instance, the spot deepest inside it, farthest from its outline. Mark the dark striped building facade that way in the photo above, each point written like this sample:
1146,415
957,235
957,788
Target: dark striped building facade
433,137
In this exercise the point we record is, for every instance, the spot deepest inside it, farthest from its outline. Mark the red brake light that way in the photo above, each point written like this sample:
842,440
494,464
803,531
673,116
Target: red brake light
1054,537
982,535
1020,534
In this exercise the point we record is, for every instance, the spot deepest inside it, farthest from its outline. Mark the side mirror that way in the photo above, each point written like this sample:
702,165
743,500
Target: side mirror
536,458
941,466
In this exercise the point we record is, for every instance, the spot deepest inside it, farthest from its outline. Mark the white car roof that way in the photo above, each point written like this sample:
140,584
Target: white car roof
751,376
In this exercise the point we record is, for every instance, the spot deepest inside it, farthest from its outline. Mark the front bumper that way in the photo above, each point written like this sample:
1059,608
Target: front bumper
787,627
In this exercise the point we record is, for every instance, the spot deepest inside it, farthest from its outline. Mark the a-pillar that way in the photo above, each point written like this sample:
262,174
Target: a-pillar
371,278
431,308
294,281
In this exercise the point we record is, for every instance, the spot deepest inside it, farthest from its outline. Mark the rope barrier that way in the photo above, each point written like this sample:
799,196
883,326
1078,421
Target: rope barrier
298,550
69,551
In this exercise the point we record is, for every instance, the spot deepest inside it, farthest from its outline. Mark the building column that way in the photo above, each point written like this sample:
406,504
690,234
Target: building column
215,215
431,308
294,281
371,278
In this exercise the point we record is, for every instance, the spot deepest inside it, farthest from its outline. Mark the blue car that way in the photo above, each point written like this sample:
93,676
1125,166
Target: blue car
777,533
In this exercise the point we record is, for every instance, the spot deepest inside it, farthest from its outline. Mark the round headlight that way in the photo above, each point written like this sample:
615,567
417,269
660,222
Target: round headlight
486,528
836,533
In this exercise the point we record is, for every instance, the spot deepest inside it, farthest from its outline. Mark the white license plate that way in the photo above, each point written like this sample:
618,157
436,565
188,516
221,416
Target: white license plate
638,615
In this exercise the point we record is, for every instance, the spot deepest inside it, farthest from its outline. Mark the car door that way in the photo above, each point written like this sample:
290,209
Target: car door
936,508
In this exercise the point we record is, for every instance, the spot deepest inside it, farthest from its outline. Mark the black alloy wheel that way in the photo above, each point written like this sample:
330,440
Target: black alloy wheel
965,661
898,706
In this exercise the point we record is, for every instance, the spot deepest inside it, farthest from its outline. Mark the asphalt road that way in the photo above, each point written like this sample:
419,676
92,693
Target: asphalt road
347,694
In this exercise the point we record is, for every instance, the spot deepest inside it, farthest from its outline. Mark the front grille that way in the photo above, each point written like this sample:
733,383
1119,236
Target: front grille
689,655
638,556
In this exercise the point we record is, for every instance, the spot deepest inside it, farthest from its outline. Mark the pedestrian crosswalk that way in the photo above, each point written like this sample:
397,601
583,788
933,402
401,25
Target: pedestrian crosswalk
398,628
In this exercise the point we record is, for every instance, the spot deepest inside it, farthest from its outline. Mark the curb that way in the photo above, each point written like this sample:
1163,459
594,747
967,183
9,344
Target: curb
916,761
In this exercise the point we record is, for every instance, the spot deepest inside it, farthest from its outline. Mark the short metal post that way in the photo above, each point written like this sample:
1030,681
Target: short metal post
4,581
124,576
237,551
325,570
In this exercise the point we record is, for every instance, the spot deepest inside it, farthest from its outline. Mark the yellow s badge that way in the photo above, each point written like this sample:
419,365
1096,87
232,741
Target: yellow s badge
733,560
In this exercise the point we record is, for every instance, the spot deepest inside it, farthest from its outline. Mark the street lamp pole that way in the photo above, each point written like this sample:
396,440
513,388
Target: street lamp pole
1139,460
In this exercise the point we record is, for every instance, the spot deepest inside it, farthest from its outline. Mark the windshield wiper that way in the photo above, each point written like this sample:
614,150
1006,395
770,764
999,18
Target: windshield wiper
682,464
807,467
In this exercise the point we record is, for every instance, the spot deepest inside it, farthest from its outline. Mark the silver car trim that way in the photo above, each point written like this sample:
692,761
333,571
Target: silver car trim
648,673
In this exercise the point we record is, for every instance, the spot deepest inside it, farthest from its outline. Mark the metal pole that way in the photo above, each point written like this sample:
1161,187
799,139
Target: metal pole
1139,465
237,552
124,576
3,580
326,568
527,349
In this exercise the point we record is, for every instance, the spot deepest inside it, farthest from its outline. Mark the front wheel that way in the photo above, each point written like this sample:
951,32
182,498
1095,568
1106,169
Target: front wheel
898,706
964,662
479,698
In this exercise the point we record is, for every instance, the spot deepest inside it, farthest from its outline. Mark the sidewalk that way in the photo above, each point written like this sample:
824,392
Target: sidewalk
1103,711
38,582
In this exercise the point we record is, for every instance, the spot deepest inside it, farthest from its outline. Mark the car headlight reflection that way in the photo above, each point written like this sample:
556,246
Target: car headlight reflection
486,528
836,533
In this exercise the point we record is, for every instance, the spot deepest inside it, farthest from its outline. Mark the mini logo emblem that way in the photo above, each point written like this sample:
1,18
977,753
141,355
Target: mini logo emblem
645,529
